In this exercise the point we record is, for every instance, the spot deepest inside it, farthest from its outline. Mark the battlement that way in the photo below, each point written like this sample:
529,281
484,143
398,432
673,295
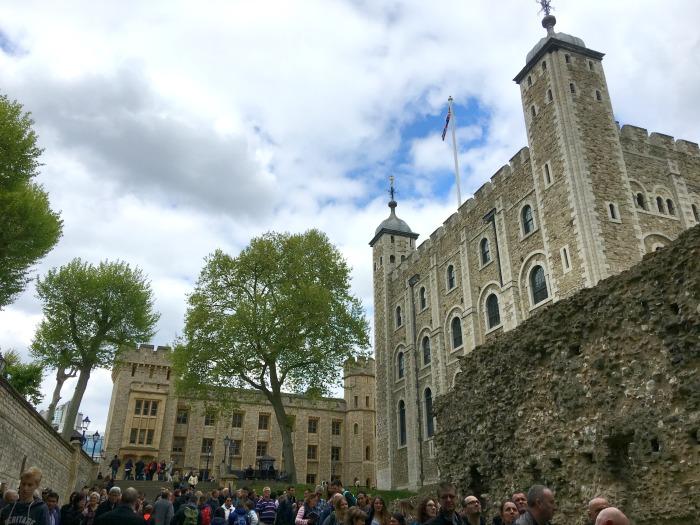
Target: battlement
146,355
661,140
359,366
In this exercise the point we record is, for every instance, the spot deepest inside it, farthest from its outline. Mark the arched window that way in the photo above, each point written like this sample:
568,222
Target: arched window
422,298
696,214
528,222
399,320
368,454
426,350
392,259
429,417
538,283
660,204
400,365
612,209
402,423
456,327
485,252
450,277
640,201
356,429
492,312
669,206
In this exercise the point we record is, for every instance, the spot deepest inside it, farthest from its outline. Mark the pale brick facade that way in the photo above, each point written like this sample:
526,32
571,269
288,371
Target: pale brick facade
332,437
592,190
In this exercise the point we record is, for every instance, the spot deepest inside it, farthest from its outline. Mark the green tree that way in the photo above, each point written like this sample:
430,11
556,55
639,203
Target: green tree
24,377
90,314
277,318
28,226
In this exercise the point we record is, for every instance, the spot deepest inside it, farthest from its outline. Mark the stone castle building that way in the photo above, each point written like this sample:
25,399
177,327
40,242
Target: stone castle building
584,201
332,437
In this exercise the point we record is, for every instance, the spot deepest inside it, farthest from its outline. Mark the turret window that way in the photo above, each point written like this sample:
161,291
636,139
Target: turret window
572,88
696,214
613,212
451,282
549,95
456,329
660,204
422,298
547,176
590,65
669,206
392,259
598,96
533,111
399,319
544,65
567,59
527,220
640,202
529,80
485,251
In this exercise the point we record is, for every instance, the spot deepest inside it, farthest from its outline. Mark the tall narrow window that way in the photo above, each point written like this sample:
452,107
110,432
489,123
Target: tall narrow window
598,96
399,321
544,65
590,65
392,259
426,350
456,327
422,298
613,211
368,453
549,95
529,80
450,277
538,283
660,204
640,201
528,221
547,175
429,417
669,206
696,213
485,251
567,59
400,365
402,423
572,88
492,312
533,111
566,264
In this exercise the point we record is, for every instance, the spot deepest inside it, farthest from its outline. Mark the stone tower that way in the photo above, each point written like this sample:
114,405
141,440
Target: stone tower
360,397
579,172
393,242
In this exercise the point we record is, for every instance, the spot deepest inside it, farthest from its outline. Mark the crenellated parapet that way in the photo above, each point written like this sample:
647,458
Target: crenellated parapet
143,359
641,140
359,366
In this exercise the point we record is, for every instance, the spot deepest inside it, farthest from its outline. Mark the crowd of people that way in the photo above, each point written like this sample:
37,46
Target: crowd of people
326,505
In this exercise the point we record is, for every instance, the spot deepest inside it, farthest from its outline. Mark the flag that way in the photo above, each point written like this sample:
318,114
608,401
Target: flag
447,123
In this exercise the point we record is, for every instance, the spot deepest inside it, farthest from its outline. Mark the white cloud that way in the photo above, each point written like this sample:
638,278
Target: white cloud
172,129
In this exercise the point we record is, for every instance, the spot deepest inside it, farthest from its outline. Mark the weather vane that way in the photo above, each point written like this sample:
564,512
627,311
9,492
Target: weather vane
391,186
546,6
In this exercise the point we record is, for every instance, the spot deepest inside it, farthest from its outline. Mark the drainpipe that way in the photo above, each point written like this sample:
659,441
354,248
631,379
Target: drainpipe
491,217
411,283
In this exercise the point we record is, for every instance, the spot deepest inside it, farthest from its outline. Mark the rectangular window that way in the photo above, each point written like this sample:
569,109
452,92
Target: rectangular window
209,419
311,452
237,420
137,410
179,444
355,401
263,421
142,436
261,449
565,262
146,408
154,408
132,436
335,427
335,453
367,401
311,479
313,425
149,437
207,445
182,416
235,450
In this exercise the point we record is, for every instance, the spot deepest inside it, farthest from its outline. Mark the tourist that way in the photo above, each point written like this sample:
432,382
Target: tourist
266,508
228,507
139,467
508,513
90,510
611,516
286,510
103,495
397,518
124,513
362,501
72,512
471,511
340,508
308,511
406,508
379,515
355,516
219,517
128,468
9,496
52,504
520,500
188,512
163,510
252,516
447,496
192,480
213,501
594,508
114,465
148,513
113,498
239,515
540,506
427,510
27,508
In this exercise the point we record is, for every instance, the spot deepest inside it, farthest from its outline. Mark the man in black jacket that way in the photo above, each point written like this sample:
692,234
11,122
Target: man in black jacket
447,494
113,498
124,513
189,507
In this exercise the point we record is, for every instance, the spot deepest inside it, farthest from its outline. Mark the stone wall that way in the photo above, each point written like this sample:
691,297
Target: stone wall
26,440
599,394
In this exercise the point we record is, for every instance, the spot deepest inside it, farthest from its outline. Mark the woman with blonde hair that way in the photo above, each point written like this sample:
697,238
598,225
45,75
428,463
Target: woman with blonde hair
91,509
340,508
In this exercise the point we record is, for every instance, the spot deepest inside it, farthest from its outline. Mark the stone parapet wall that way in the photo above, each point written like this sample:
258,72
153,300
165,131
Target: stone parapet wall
26,440
597,395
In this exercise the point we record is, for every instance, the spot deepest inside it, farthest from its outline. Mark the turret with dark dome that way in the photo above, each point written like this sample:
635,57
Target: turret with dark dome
392,224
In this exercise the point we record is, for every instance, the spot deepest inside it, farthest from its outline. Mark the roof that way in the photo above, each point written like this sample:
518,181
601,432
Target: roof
393,225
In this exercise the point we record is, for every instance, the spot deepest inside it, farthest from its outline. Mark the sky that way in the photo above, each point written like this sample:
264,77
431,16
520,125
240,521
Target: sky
173,128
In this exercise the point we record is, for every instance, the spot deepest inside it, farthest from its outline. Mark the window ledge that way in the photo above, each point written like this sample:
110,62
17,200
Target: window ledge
494,328
541,303
460,347
524,236
485,264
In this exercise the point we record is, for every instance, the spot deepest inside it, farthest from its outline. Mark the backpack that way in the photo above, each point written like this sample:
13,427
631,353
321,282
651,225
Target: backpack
241,519
205,513
191,515
350,498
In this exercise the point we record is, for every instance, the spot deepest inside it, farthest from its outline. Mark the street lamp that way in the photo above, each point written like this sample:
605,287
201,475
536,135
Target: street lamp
227,448
84,425
95,439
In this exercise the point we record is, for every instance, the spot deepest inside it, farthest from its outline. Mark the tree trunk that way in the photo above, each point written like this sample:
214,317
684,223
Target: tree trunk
287,446
61,376
74,404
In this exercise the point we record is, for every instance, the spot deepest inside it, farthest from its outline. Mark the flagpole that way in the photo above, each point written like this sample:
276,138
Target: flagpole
454,150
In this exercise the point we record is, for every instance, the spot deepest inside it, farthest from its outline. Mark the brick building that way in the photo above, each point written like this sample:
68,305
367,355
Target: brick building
584,201
332,437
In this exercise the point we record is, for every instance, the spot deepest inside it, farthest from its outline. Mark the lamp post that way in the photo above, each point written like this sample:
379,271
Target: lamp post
84,426
95,439
227,448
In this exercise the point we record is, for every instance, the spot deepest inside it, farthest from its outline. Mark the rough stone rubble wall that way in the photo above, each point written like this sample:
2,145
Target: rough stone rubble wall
27,440
598,394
